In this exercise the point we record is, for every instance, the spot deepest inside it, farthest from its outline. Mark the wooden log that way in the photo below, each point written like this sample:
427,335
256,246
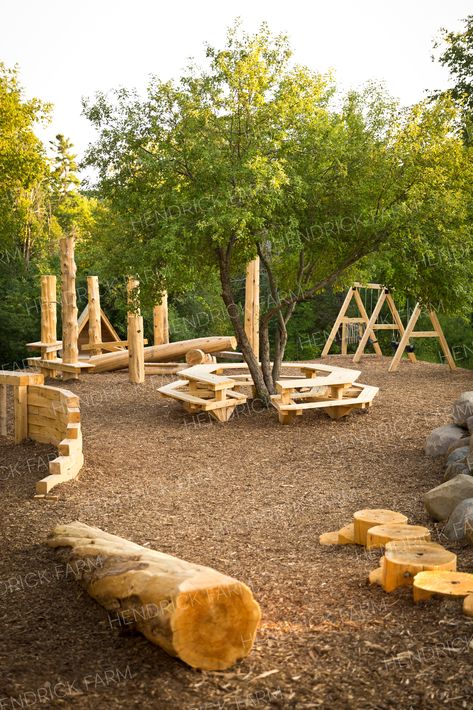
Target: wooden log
161,321
95,316
445,583
468,605
70,330
162,353
363,520
48,316
252,305
3,410
136,355
403,560
379,535
196,356
203,617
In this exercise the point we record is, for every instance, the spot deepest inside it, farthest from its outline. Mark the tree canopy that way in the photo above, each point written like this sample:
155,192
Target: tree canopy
255,155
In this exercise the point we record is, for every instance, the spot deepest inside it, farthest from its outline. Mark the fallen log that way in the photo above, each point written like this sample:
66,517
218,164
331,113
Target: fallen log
163,353
205,618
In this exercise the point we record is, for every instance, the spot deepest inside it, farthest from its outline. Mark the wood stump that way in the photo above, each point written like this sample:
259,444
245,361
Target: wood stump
450,584
379,535
402,560
363,520
206,618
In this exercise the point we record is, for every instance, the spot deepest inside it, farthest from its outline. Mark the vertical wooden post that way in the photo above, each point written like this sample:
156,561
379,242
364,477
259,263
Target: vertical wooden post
344,339
252,305
136,350
48,318
160,321
70,350
95,319
3,410
21,413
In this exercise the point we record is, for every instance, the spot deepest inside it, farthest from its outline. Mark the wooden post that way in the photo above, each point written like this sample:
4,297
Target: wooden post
252,305
136,350
70,351
48,318
95,319
21,413
160,321
3,410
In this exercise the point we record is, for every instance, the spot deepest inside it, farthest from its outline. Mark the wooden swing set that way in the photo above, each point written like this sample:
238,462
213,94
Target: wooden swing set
366,326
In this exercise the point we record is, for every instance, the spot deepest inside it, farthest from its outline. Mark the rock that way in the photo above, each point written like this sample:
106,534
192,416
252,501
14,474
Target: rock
469,423
458,463
466,441
442,438
463,408
441,501
460,522
458,468
459,454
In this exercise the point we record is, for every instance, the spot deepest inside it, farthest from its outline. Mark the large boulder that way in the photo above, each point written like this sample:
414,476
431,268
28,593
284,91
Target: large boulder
463,408
457,463
460,522
439,441
459,443
441,501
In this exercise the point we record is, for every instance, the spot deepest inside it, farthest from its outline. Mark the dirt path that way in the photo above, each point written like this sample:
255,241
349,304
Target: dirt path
249,498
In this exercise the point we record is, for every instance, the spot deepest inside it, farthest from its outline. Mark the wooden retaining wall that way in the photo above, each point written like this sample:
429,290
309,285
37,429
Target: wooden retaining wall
49,415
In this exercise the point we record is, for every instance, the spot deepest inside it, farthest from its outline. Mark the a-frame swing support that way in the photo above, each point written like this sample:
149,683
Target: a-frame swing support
437,332
371,325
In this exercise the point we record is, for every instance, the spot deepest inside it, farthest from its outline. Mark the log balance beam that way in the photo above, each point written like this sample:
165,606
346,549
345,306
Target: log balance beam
203,617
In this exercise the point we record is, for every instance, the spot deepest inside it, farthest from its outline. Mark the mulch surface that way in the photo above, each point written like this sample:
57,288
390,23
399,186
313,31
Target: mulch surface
250,498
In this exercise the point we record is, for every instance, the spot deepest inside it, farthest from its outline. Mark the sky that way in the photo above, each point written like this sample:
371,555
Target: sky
66,50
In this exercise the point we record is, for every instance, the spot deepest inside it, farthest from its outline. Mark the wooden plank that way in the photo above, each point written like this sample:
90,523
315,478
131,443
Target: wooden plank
110,346
442,340
367,393
68,472
17,379
66,447
45,347
424,334
58,365
3,410
21,413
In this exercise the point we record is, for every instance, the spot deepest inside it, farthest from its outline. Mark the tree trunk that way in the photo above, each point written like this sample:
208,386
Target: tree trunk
206,618
244,345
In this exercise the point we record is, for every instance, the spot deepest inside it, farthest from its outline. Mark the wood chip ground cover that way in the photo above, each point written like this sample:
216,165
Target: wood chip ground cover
249,498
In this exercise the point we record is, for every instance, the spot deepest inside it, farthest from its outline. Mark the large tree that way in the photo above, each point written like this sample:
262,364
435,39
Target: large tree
252,155
456,53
